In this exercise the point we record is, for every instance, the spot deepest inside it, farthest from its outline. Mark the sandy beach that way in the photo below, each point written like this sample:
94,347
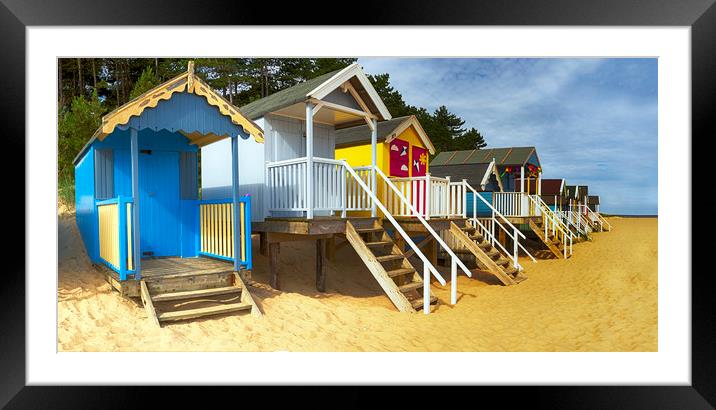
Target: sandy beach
604,298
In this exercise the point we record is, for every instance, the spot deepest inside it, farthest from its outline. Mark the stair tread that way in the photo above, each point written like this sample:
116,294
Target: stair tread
200,312
189,294
418,303
402,271
502,261
391,257
494,252
410,286
510,270
367,230
379,243
485,245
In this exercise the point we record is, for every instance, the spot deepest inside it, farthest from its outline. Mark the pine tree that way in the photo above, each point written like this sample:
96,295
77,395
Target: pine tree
146,82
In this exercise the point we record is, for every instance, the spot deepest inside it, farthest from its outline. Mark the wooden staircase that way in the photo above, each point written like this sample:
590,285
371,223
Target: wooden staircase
554,244
389,266
488,257
182,297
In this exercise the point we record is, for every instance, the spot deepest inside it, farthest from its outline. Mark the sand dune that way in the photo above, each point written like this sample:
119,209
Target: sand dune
602,299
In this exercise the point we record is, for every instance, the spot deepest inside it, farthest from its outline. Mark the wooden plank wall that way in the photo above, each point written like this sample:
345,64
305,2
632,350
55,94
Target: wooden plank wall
109,233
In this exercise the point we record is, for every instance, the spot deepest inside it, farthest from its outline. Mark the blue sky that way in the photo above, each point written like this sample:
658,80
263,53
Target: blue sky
593,121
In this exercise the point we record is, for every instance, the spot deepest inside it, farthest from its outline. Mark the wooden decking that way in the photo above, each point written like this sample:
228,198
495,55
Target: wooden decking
168,268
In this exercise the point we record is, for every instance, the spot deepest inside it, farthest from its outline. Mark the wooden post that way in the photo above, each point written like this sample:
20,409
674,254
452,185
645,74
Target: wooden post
432,252
274,249
373,161
522,179
539,184
309,160
321,265
331,248
263,243
235,200
134,152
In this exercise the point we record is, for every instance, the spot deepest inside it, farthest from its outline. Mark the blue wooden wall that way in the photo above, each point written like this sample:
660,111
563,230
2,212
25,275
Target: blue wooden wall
84,204
482,209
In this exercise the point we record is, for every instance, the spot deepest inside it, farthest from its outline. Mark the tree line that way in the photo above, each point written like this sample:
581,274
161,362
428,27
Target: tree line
88,88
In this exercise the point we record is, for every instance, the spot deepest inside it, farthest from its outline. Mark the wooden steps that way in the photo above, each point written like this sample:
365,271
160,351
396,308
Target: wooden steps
201,312
193,298
189,294
487,256
402,271
553,246
388,258
388,265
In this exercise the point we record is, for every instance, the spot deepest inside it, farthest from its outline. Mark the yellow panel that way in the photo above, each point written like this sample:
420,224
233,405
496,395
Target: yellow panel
109,234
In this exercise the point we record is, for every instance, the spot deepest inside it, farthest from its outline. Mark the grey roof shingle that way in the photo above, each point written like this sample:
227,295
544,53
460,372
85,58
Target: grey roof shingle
284,98
502,156
473,173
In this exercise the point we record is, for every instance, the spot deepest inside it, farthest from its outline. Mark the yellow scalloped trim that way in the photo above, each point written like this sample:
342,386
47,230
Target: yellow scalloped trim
192,84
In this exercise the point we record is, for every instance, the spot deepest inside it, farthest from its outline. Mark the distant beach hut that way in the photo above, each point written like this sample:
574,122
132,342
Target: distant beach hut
519,174
139,211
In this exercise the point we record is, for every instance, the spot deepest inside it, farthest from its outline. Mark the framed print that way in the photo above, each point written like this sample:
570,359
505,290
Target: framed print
487,194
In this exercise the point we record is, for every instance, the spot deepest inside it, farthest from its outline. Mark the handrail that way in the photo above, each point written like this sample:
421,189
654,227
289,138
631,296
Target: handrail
516,233
272,164
549,215
428,268
604,220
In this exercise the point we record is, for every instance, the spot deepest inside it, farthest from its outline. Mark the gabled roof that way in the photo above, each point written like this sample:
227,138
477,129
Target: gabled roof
188,82
593,200
503,156
318,88
582,191
477,175
552,186
387,131
571,191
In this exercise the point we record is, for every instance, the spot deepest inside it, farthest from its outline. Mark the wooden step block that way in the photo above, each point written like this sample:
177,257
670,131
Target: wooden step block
369,230
378,244
502,261
402,271
510,270
468,229
191,294
477,237
200,312
485,245
391,257
418,303
494,253
411,286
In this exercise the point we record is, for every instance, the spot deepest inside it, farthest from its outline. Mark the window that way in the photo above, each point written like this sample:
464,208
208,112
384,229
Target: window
104,174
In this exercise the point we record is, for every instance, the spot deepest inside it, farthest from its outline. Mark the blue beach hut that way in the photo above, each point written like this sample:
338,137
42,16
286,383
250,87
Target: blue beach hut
138,205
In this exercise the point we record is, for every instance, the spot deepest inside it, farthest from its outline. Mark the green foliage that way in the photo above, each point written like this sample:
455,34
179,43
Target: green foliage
115,81
76,125
146,82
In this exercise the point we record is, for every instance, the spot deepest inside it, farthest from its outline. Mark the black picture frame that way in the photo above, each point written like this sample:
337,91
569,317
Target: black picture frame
15,15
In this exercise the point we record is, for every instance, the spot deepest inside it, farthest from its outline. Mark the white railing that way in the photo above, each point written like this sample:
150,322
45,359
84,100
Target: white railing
431,196
329,185
286,185
428,268
551,222
486,227
596,218
356,198
513,204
